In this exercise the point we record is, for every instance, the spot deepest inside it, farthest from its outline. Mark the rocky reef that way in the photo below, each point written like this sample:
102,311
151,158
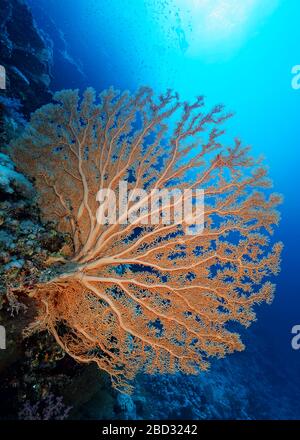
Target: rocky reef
33,59
25,245
24,55
32,369
66,70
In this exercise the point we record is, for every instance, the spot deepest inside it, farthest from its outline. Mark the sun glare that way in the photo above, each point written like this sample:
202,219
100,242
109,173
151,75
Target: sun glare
221,24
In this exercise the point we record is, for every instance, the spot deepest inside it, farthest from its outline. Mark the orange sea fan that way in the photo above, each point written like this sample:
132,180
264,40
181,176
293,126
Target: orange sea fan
139,296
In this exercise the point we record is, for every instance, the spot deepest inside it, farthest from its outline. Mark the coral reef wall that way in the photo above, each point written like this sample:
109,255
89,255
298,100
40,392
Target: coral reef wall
24,55
32,54
66,68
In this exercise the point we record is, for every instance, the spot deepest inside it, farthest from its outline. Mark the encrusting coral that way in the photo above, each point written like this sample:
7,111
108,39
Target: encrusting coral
139,296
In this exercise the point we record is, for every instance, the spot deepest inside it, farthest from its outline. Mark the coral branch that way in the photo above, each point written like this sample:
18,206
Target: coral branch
139,296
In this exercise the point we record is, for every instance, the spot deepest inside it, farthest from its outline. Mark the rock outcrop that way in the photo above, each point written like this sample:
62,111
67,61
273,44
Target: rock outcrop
24,55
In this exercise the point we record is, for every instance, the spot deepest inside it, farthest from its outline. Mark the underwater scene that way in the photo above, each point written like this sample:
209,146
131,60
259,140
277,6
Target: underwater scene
149,209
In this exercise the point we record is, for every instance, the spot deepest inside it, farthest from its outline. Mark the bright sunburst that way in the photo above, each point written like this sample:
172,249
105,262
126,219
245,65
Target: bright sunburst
224,17
221,24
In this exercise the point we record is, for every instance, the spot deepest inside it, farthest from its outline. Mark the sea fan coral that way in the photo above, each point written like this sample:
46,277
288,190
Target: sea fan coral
139,296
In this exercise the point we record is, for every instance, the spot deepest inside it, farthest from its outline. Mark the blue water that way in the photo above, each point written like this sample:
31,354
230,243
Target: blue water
245,62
